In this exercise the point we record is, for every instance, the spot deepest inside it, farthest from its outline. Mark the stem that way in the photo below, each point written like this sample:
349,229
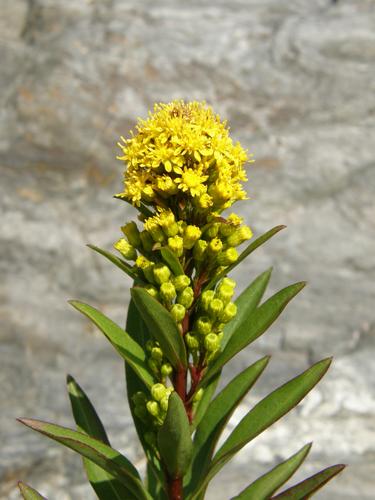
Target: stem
175,491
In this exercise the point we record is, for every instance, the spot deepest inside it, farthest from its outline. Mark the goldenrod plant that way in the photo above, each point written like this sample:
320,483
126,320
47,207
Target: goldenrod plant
183,172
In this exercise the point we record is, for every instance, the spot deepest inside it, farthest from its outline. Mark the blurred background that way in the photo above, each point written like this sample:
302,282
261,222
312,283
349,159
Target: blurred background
296,80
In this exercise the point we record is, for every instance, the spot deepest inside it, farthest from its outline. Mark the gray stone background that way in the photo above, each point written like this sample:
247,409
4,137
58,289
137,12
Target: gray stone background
296,80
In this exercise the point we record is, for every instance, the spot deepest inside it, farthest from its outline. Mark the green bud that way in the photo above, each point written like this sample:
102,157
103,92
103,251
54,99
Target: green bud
226,229
140,412
167,291
153,366
192,341
162,273
139,398
153,408
180,282
215,246
240,235
158,391
126,249
157,354
166,369
228,282
150,344
132,233
224,293
146,240
178,312
228,313
211,342
176,244
227,257
199,250
215,308
198,395
206,297
152,291
191,235
156,232
203,325
211,231
164,404
186,297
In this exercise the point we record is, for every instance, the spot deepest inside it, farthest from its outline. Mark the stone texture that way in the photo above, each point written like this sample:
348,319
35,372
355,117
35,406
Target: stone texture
295,80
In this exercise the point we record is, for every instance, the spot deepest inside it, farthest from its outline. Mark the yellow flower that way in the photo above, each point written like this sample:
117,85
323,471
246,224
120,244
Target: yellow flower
183,152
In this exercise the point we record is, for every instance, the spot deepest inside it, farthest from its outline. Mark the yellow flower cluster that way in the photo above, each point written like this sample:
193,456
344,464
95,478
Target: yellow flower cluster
183,152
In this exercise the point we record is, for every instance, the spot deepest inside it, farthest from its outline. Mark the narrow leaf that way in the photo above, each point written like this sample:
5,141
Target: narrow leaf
124,266
104,484
128,348
103,455
174,440
246,303
218,414
265,413
29,493
304,489
267,484
261,319
162,326
248,250
172,260
141,208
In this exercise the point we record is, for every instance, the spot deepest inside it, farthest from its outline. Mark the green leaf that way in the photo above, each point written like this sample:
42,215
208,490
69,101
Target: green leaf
261,319
304,489
103,455
141,208
124,266
162,326
104,484
174,440
218,414
121,341
248,250
172,260
267,484
265,413
29,493
246,303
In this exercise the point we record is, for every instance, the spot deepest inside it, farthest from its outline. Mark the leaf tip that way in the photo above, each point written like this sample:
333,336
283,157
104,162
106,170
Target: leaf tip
69,379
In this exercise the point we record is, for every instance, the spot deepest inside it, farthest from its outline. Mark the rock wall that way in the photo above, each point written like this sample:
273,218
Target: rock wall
296,81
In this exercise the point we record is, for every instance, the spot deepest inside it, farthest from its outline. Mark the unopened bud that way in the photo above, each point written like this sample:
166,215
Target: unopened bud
126,249
211,342
211,231
132,233
199,250
152,291
206,297
228,313
198,395
215,308
178,312
186,297
153,408
191,235
192,341
162,273
215,246
146,266
158,391
227,257
225,293
166,369
228,281
154,366
176,244
203,325
167,291
146,240
139,398
157,354
180,282
240,235
148,193
164,404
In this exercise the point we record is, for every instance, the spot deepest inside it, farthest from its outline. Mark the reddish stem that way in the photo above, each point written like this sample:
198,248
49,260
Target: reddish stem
175,491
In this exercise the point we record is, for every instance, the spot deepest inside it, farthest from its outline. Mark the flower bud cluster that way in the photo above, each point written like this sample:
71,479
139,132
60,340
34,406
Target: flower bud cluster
157,362
152,409
215,309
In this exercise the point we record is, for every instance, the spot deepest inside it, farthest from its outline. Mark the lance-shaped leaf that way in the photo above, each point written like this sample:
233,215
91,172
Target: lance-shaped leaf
162,326
103,455
218,414
128,348
174,440
267,484
29,493
246,303
172,260
248,250
304,489
120,263
264,414
104,484
261,319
